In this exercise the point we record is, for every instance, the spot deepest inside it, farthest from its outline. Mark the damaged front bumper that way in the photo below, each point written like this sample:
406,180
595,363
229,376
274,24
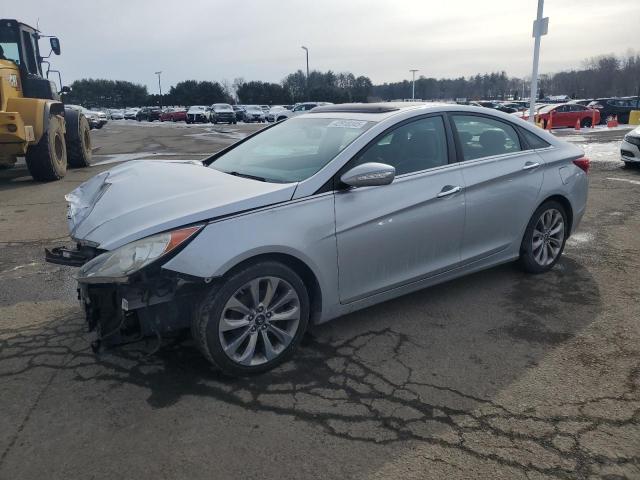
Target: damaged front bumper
152,302
122,313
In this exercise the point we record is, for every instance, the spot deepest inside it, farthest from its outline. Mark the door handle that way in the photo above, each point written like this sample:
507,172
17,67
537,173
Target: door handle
449,190
530,165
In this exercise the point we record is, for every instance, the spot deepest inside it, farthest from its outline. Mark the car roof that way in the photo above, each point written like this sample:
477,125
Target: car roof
374,111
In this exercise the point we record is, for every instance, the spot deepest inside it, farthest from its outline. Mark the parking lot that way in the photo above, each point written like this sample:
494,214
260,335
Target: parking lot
495,375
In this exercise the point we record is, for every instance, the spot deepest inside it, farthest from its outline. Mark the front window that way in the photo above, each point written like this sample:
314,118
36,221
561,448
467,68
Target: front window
291,151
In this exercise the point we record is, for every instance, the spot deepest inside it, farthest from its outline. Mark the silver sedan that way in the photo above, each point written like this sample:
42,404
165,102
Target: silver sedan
332,211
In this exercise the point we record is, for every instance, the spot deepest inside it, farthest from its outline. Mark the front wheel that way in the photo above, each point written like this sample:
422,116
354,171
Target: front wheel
585,123
544,238
253,321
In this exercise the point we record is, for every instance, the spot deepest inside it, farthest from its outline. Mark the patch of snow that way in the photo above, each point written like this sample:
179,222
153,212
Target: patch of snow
633,182
579,239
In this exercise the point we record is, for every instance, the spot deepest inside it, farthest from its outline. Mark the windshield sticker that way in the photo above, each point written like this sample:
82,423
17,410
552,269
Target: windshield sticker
347,124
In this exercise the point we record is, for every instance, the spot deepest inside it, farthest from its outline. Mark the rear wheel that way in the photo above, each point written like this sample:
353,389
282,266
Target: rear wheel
47,160
78,141
585,123
544,238
253,321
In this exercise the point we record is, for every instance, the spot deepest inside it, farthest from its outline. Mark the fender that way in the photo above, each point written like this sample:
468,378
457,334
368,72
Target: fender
35,113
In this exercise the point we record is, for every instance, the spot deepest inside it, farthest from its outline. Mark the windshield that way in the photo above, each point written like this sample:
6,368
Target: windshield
197,107
291,151
222,107
253,108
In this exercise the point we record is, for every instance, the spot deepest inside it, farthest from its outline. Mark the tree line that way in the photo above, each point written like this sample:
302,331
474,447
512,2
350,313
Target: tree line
602,76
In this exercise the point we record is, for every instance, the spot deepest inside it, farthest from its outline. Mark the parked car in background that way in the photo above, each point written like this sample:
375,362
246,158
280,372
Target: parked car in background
149,114
299,109
174,115
116,114
565,115
253,113
273,113
130,114
621,107
198,114
581,101
222,113
91,116
239,111
243,251
630,148
265,109
102,118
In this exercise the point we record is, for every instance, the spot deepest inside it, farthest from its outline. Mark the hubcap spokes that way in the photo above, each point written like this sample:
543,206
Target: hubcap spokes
259,321
548,236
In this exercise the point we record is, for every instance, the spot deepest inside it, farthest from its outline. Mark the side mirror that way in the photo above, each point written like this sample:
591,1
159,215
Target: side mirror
369,174
65,89
55,45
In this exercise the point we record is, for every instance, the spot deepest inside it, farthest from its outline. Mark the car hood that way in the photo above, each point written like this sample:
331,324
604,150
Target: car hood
144,197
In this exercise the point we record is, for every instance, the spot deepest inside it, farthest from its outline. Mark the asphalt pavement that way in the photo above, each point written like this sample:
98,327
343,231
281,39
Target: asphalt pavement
498,375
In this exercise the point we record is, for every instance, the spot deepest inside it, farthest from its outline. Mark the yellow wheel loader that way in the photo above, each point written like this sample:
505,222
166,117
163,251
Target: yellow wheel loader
33,121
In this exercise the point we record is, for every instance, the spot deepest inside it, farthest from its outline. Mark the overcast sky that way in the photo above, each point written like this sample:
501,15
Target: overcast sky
261,39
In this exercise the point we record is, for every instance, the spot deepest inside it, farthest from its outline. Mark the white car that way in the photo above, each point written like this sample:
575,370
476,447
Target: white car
102,118
130,114
253,113
273,112
117,114
299,109
198,114
630,147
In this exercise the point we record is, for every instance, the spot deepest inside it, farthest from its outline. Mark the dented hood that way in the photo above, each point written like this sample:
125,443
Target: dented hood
141,198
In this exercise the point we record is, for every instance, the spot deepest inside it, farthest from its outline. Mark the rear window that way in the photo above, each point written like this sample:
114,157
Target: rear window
532,140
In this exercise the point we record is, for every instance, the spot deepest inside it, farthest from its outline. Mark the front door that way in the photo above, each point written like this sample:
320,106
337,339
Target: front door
392,235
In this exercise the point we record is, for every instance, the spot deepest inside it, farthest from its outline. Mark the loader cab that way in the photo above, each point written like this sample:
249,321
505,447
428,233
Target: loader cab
19,43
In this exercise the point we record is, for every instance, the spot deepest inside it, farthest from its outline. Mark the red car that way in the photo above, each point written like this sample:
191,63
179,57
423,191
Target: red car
565,115
174,115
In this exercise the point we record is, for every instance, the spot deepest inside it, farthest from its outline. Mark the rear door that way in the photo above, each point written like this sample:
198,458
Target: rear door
502,183
391,235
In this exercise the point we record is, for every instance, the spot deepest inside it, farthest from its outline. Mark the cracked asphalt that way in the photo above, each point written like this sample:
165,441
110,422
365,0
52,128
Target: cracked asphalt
496,375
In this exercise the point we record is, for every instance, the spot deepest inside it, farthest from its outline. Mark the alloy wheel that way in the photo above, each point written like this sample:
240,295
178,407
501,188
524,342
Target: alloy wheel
259,321
548,237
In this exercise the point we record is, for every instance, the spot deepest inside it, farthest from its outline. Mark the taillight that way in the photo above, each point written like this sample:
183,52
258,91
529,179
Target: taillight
582,163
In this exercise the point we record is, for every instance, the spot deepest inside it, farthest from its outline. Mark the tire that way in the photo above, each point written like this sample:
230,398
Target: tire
585,123
209,316
542,259
47,160
78,141
99,126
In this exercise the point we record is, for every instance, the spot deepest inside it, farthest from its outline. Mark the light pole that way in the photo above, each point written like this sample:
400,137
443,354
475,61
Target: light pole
540,28
159,87
413,88
307,53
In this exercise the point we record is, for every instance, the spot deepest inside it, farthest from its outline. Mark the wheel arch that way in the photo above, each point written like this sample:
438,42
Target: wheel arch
564,201
305,272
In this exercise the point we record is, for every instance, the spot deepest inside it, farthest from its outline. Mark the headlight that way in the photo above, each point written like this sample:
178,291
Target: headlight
633,140
117,265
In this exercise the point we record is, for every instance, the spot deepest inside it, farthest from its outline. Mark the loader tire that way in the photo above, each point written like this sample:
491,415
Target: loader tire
78,140
47,159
